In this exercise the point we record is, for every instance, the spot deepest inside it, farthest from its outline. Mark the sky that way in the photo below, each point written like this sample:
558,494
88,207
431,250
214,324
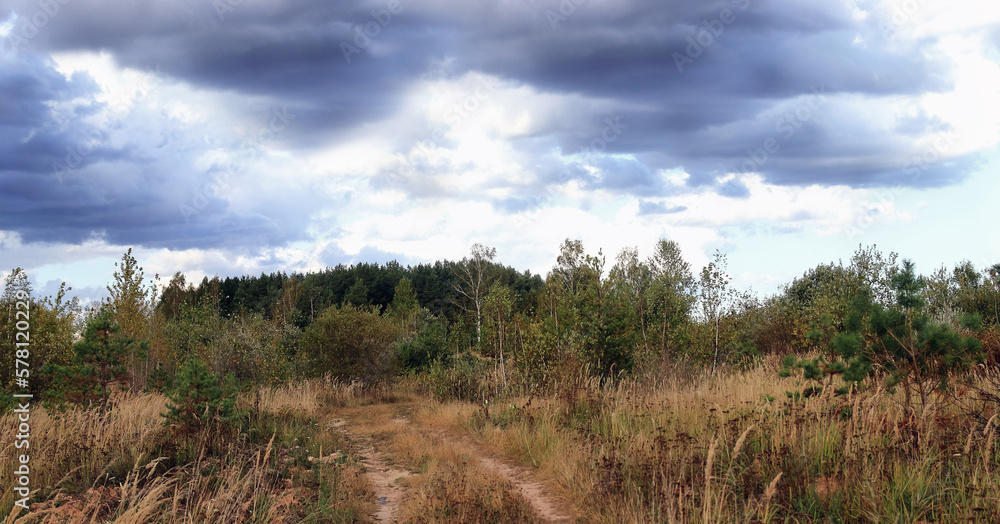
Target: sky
234,137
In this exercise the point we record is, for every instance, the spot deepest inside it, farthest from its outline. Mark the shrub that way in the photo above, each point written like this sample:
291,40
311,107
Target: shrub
100,362
200,400
351,343
898,343
430,345
467,378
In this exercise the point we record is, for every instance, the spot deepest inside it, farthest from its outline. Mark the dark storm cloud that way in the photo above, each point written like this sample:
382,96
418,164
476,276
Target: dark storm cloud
62,179
698,85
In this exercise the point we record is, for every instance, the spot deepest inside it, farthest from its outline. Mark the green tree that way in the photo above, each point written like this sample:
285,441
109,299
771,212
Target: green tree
428,346
404,299
590,318
819,302
199,400
498,311
898,343
16,302
357,295
284,310
131,302
101,361
16,285
53,331
474,276
671,297
632,278
875,272
197,331
177,293
351,343
404,305
713,286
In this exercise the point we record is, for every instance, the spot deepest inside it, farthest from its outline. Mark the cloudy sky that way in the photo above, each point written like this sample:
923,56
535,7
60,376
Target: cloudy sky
231,137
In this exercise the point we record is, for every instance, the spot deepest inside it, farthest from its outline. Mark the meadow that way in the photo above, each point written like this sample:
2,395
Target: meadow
695,446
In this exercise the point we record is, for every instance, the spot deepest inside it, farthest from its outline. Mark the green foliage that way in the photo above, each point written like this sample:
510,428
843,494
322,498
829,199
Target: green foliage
52,322
818,372
670,296
100,362
430,345
713,286
132,302
466,377
473,277
404,298
351,343
498,311
195,331
533,353
978,292
900,343
590,318
357,295
200,400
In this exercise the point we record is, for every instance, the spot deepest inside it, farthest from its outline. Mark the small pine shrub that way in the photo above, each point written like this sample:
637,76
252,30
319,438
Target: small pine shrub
199,400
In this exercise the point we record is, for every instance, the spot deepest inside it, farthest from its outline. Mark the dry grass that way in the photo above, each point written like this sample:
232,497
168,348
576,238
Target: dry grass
448,482
710,448
126,467
72,450
725,449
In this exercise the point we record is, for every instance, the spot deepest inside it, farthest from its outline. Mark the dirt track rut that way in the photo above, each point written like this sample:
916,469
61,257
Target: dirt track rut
384,478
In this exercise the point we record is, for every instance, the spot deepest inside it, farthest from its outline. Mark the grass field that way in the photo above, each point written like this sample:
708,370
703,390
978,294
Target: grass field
693,447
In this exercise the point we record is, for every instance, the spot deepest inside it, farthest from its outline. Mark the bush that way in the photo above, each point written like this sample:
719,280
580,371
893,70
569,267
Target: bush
200,400
430,345
898,343
99,364
469,377
351,343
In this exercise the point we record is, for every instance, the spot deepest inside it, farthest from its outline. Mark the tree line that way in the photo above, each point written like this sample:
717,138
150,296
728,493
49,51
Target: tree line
474,327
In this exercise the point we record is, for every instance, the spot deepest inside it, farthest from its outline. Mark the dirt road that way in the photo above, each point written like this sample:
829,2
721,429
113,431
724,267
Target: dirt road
396,452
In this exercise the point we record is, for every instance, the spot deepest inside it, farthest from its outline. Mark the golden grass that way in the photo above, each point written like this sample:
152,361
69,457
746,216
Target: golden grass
448,482
127,467
718,449
712,448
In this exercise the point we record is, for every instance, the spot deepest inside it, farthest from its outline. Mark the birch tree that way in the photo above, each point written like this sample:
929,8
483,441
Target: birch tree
474,279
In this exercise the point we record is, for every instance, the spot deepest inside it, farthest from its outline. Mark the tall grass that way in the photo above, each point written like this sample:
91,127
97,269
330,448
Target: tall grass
733,448
125,466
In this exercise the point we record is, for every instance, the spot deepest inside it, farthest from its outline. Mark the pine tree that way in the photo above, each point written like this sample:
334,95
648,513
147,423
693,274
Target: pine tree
898,342
357,295
101,361
199,399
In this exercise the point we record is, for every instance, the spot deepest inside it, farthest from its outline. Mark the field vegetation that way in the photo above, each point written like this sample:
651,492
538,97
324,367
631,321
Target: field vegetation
470,392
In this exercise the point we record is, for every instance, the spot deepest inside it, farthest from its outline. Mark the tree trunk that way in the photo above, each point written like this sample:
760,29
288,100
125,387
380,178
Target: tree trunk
715,358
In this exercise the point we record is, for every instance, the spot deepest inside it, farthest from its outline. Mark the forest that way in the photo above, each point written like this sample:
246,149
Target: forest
599,350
